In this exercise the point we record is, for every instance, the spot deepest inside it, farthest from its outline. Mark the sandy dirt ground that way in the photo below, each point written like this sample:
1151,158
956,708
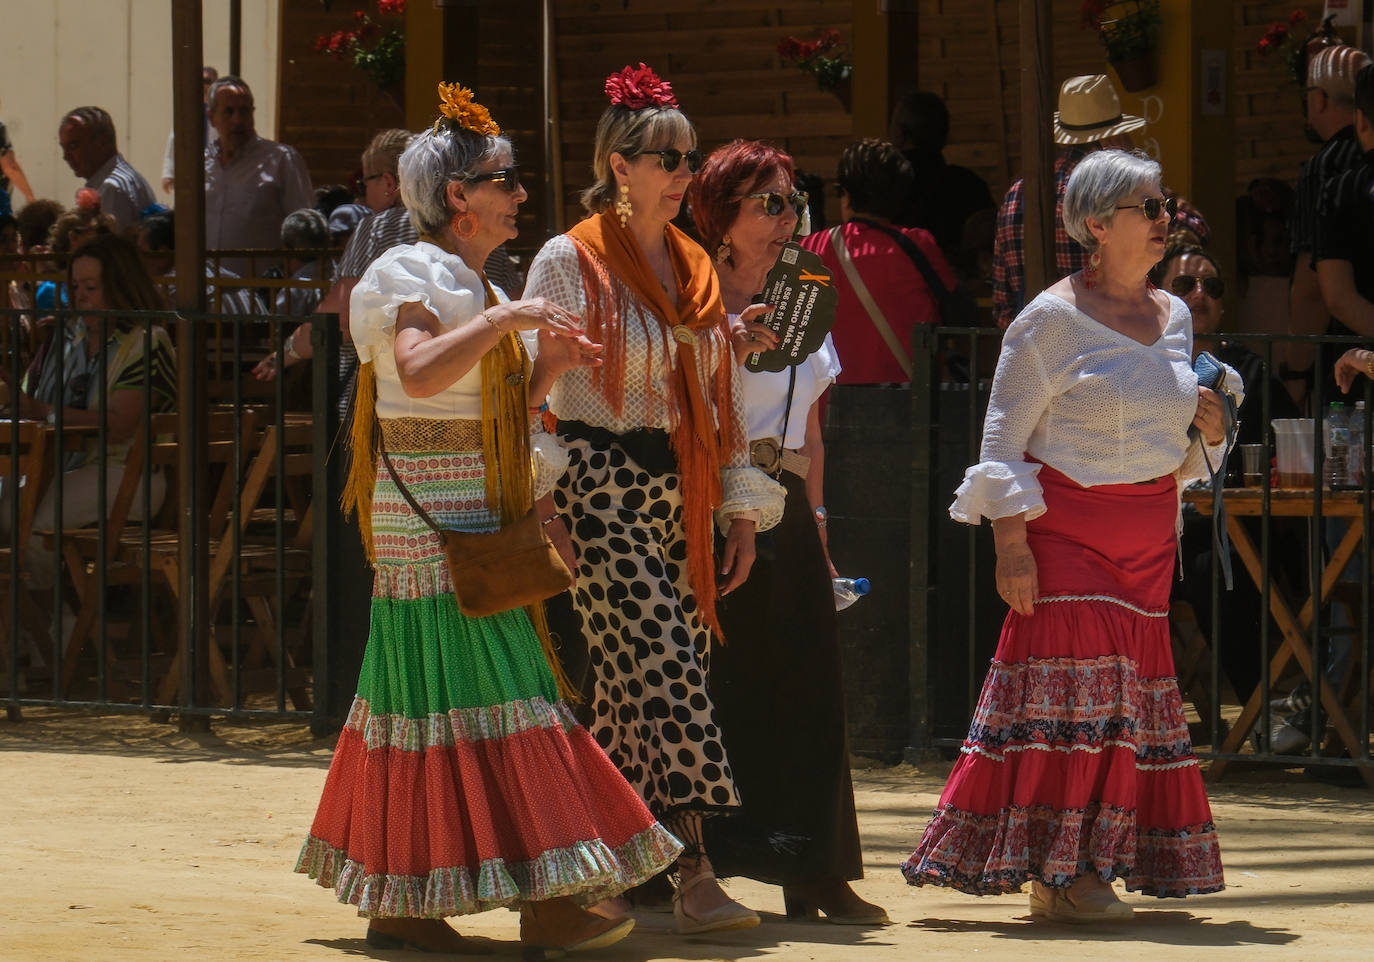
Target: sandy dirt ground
121,839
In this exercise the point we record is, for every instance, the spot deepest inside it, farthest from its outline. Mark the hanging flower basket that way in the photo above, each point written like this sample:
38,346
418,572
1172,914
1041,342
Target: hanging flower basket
1137,73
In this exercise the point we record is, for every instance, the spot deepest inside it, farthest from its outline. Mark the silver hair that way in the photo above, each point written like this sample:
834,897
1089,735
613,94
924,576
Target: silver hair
304,229
433,161
228,80
1100,182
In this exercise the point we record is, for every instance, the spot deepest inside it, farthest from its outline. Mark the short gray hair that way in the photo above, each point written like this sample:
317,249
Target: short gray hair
1100,182
305,229
434,160
220,83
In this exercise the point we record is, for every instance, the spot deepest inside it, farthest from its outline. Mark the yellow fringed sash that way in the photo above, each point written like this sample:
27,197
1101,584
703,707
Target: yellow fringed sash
509,482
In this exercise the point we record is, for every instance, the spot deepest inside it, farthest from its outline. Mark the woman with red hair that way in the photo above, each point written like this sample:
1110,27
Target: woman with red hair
797,826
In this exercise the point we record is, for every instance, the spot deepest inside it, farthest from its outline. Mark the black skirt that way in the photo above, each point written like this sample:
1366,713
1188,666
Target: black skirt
779,697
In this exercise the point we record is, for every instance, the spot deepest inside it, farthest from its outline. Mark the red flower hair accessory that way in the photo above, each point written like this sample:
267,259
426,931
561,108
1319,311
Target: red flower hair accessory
637,88
88,200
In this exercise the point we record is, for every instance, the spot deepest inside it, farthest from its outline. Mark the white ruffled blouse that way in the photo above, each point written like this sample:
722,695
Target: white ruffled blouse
452,292
555,274
1093,403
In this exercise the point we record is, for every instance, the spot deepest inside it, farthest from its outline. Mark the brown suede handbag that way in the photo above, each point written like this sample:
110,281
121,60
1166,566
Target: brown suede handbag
498,570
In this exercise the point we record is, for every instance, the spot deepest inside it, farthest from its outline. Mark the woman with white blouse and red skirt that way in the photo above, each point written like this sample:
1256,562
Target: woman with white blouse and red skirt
1078,769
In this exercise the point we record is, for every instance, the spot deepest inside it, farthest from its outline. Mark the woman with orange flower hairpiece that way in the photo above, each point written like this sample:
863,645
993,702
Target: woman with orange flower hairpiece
656,440
461,781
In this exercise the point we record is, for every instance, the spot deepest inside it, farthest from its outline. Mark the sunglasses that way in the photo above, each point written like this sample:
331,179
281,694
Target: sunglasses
775,203
1153,205
671,157
508,178
1183,285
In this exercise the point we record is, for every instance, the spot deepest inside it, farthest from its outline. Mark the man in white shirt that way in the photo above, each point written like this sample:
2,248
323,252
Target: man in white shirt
87,136
251,183
208,75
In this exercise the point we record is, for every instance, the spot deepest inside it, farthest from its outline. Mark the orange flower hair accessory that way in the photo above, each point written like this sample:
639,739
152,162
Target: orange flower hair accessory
456,105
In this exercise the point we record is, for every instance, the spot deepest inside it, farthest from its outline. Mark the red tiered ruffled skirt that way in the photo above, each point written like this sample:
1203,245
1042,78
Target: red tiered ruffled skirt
1078,758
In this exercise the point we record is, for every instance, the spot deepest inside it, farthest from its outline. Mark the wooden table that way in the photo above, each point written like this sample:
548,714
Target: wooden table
1290,503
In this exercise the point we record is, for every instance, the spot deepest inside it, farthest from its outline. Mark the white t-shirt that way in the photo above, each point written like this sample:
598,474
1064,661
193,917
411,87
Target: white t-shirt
1092,403
765,395
449,290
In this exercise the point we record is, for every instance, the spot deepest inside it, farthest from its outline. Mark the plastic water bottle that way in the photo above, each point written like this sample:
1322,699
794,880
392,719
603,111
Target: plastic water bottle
848,591
1337,435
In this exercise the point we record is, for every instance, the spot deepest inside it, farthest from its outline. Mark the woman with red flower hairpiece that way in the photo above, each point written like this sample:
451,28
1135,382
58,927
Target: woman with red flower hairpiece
461,781
656,442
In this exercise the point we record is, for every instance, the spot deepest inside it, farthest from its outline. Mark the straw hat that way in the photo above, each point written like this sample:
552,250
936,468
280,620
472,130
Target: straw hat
1089,111
1333,69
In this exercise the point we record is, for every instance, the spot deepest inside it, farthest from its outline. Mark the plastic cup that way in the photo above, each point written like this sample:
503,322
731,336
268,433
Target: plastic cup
1293,451
1253,464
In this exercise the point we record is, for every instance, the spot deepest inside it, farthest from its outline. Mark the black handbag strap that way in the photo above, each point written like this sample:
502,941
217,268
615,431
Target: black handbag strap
923,265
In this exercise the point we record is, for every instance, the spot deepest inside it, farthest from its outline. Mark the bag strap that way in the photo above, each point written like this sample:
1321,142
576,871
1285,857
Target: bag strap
923,265
401,485
871,306
1221,538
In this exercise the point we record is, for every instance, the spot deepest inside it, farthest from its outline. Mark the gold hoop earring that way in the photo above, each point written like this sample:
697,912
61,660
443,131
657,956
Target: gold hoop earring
724,251
1090,272
465,225
623,207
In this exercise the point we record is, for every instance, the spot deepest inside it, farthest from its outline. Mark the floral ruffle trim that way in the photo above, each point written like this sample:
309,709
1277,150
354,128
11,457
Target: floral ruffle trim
588,872
997,854
457,725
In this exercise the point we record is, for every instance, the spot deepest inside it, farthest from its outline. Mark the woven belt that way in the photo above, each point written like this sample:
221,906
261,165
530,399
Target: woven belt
431,434
770,457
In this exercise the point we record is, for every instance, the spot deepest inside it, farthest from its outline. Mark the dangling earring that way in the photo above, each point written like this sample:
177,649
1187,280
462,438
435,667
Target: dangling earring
724,251
464,224
1090,272
623,208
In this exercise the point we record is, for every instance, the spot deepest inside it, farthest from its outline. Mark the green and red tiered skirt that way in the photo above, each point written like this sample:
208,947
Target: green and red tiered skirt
1078,759
461,782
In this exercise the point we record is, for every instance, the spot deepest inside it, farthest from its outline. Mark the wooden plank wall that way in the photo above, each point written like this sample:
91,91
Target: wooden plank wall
328,109
968,54
1268,105
721,58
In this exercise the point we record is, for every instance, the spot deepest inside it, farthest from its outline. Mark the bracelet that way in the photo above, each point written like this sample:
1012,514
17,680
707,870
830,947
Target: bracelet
548,521
288,346
1369,364
496,324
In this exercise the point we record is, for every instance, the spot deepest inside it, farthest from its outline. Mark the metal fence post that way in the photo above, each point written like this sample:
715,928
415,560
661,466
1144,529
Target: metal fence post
924,383
325,339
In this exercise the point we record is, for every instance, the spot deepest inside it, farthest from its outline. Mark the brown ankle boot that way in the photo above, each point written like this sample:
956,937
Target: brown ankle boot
563,925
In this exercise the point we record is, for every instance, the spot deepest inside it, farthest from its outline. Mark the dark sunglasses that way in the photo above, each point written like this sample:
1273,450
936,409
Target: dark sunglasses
1183,285
508,178
671,157
1153,205
775,203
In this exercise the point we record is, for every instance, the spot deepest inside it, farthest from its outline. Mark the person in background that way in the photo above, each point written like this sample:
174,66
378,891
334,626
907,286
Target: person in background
793,778
1077,768
658,464
875,184
330,197
104,274
87,136
1089,118
945,195
307,232
11,174
157,243
1331,113
488,794
208,75
344,221
1191,273
251,183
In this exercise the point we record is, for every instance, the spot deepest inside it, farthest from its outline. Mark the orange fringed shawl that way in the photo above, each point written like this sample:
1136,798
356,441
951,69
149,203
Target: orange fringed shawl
703,426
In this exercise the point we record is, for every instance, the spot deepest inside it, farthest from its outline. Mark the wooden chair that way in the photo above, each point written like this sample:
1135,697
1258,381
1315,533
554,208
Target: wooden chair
127,546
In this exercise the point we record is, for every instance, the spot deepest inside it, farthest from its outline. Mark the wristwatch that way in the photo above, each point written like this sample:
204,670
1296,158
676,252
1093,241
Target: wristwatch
821,515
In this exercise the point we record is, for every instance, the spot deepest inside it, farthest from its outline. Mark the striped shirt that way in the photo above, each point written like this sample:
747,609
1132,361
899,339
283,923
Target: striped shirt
1336,156
124,194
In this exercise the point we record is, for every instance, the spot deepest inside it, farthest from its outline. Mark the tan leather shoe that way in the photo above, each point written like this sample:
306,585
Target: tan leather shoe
561,925
1082,902
422,935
